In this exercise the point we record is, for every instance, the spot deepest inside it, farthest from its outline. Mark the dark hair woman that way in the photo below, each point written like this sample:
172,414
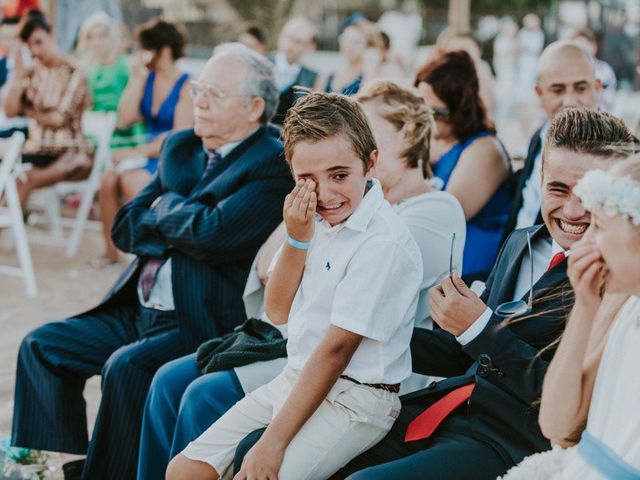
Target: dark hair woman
52,93
158,94
468,160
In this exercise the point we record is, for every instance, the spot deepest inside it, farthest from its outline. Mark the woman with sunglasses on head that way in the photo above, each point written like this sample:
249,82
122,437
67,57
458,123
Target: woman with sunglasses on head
591,391
468,160
158,94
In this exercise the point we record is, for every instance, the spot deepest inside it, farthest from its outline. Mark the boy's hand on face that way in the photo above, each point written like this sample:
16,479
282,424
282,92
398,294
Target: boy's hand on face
454,306
299,210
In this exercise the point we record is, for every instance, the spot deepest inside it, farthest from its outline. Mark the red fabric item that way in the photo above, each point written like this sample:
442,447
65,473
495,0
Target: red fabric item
425,424
556,259
17,8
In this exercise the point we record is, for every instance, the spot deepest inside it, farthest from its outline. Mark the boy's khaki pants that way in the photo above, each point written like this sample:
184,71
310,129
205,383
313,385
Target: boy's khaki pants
350,420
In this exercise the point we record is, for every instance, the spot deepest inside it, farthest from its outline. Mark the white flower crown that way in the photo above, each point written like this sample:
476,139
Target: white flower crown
616,195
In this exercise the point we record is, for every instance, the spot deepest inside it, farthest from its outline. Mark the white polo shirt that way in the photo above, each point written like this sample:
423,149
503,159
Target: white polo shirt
364,276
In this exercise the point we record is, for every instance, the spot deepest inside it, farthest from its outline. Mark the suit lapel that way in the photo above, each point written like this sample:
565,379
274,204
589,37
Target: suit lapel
509,276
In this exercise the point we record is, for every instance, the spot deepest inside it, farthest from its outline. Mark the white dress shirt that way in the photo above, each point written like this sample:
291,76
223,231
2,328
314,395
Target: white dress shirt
363,276
285,73
532,190
542,251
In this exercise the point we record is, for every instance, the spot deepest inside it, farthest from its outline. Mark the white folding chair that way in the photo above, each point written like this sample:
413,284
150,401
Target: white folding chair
11,215
99,125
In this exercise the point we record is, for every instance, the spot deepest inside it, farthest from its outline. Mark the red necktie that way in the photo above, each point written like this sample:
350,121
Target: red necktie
425,424
556,259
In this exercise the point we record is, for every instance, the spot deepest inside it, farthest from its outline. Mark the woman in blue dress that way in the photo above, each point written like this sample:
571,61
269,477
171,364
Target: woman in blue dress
347,80
467,159
157,94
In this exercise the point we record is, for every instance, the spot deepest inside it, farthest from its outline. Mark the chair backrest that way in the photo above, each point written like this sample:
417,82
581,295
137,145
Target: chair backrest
100,125
11,157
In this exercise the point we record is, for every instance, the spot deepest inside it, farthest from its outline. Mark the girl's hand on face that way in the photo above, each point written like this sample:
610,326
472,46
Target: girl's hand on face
587,271
299,210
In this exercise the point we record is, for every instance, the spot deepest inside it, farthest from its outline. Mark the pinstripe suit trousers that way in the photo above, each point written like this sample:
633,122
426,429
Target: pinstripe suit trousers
125,344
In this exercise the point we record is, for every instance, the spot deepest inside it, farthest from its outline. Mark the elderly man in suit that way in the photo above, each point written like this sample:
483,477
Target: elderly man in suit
566,78
195,230
482,419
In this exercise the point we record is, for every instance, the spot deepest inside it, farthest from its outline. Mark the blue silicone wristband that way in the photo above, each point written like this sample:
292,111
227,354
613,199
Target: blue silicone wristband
296,244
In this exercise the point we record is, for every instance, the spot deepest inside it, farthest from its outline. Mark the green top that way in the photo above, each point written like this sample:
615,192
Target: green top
107,84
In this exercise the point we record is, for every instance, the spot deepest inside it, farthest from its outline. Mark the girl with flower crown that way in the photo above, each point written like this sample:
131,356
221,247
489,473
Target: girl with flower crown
591,394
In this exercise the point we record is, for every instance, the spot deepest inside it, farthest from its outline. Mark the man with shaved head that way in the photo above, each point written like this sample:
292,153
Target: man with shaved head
566,78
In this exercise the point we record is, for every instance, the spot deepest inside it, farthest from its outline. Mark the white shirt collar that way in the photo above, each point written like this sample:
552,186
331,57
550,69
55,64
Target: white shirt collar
359,220
544,130
556,248
285,73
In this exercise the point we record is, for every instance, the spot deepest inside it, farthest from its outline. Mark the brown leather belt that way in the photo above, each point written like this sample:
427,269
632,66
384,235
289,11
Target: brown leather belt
395,388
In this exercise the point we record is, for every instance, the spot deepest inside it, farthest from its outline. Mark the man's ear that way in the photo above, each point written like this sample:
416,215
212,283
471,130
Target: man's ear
538,90
598,85
257,107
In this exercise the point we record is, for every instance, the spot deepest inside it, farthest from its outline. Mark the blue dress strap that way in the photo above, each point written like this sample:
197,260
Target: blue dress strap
448,160
174,95
602,458
146,102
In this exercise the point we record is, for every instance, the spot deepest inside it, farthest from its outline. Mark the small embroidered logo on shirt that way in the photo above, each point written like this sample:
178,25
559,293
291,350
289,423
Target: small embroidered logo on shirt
328,266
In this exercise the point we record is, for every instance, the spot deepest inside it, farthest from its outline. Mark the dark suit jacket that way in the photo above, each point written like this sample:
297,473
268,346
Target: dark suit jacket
521,177
306,78
503,361
211,227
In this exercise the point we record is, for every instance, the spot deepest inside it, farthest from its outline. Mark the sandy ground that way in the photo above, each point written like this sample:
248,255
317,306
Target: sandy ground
66,286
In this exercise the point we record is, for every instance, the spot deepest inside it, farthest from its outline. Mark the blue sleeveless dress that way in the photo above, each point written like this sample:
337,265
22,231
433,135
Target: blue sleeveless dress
485,230
348,90
163,121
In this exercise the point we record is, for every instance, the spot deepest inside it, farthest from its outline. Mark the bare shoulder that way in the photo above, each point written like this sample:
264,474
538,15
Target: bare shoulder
486,150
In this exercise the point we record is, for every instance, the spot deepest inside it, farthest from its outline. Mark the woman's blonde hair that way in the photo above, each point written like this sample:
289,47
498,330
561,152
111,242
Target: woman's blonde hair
409,114
98,19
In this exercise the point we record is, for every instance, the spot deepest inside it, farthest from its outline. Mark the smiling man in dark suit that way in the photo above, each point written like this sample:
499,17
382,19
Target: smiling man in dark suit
195,230
482,419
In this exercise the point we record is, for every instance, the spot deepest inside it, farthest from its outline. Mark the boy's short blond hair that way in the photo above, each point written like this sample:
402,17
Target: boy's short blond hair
318,116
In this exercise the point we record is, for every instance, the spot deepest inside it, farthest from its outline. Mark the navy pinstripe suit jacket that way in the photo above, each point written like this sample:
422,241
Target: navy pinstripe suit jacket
211,226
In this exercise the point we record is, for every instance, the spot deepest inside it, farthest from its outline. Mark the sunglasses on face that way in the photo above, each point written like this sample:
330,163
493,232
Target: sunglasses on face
442,113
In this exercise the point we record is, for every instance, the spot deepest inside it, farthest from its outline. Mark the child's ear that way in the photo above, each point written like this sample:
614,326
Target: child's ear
373,159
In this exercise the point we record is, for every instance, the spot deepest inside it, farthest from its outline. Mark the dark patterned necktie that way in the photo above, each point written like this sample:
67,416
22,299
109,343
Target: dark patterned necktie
213,157
148,275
